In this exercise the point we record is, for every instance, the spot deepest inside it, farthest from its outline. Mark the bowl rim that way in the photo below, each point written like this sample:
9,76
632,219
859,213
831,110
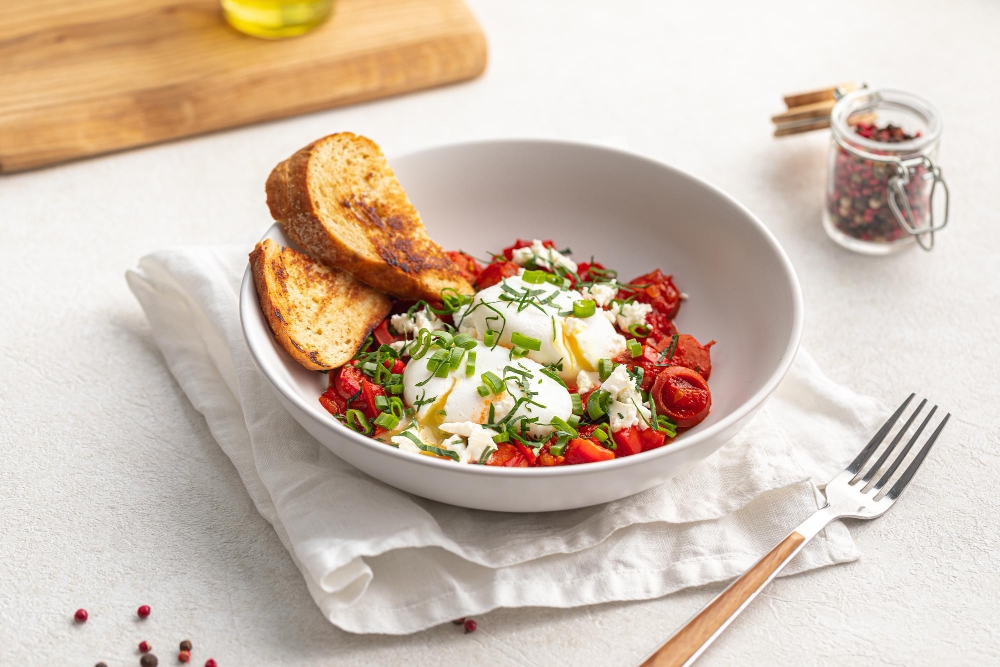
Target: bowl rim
248,297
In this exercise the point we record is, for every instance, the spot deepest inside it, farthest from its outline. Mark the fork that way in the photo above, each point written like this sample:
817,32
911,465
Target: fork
851,494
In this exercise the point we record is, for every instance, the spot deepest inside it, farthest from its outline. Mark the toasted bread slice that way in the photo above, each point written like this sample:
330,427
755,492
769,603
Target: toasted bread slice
339,200
319,315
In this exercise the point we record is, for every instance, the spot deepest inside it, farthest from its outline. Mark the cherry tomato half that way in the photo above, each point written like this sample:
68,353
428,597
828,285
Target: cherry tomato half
494,273
683,395
467,265
658,291
692,354
334,403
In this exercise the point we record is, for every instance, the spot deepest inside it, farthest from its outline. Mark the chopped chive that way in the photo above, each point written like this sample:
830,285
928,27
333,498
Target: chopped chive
493,381
356,421
534,277
438,451
584,308
483,390
387,420
577,404
485,456
517,338
668,353
604,368
490,339
552,376
470,364
634,348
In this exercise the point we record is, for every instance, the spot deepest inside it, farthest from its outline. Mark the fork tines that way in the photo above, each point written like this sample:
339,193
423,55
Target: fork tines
856,465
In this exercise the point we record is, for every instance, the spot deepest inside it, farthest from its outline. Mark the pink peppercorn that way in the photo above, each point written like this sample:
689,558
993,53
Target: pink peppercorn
184,656
144,647
81,616
470,625
211,663
143,611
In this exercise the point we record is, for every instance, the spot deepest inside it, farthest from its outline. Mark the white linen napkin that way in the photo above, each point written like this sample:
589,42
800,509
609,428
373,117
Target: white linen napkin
379,560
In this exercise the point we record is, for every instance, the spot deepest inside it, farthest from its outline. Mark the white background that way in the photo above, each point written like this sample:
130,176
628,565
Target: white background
113,493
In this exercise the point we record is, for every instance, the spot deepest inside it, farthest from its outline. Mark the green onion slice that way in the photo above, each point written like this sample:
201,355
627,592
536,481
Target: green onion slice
560,424
490,339
534,277
483,390
382,403
387,420
501,437
455,360
470,364
577,404
465,341
597,404
640,330
518,352
604,368
493,381
634,348
584,308
517,338
356,421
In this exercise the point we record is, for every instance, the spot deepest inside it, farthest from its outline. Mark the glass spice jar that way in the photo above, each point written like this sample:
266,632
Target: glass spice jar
882,175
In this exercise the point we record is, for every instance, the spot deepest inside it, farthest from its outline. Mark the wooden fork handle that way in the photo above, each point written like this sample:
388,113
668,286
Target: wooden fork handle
701,629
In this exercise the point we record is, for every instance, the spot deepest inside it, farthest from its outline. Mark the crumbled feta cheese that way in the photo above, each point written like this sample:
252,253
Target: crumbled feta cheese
612,312
573,325
632,314
601,293
586,381
626,407
544,257
406,325
478,437
398,346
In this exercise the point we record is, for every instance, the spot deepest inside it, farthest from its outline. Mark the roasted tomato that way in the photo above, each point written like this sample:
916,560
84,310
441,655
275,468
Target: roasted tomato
508,456
383,334
583,270
647,361
661,328
581,450
494,273
683,395
369,390
692,354
508,252
657,290
467,265
334,403
347,380
628,441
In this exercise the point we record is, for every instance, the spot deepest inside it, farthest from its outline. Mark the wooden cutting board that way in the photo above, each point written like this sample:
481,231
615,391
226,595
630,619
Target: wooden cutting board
84,77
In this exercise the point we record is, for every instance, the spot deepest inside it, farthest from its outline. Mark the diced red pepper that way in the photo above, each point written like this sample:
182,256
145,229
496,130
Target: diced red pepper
628,440
526,452
334,403
347,380
651,439
507,456
383,336
581,450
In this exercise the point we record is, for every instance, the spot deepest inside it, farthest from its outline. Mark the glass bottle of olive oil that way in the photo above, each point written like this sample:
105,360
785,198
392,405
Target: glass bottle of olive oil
274,19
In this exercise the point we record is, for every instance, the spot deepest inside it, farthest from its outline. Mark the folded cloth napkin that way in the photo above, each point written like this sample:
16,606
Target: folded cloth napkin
376,559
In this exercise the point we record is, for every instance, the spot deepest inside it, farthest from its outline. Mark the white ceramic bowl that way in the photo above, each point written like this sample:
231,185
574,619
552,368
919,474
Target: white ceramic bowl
634,215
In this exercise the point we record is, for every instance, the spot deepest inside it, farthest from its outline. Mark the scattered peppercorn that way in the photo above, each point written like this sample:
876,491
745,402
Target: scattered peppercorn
148,660
186,645
210,663
101,664
459,621
143,611
184,656
144,647
858,194
81,616
470,625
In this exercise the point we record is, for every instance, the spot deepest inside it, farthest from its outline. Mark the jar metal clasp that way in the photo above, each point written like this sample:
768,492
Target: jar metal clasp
904,169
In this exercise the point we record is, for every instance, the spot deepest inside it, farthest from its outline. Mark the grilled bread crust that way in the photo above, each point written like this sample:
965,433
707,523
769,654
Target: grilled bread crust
339,200
319,315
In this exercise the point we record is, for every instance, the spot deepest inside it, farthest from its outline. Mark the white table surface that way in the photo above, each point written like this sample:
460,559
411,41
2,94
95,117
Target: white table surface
113,493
